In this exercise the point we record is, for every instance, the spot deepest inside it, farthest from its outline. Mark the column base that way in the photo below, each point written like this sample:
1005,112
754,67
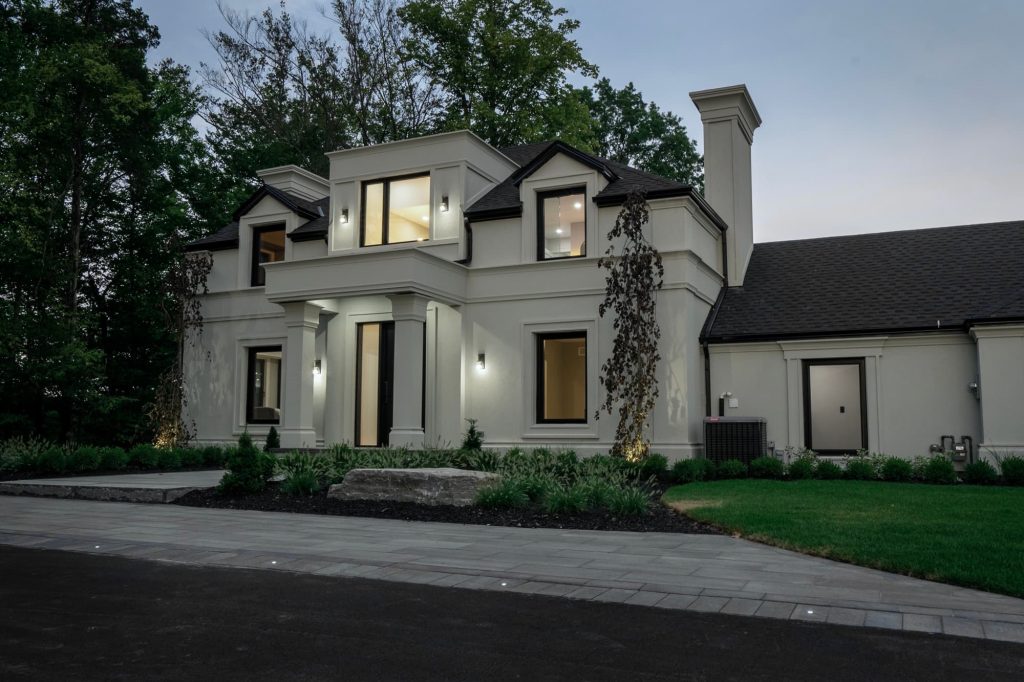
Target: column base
406,438
298,438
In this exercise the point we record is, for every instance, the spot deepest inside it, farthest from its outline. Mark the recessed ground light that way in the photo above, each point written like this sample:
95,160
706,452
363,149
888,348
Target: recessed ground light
97,546
504,584
273,562
810,611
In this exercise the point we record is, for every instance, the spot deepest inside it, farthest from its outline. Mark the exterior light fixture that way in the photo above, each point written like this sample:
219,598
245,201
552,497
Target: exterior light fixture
444,203
344,216
481,362
316,368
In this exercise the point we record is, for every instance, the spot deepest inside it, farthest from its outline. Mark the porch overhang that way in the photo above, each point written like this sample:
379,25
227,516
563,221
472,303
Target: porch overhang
377,273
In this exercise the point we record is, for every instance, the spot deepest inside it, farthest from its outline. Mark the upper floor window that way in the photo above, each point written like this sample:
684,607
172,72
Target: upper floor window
267,247
562,224
396,210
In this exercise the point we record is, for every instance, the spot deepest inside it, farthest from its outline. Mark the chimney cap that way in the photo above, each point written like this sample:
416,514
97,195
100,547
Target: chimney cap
730,102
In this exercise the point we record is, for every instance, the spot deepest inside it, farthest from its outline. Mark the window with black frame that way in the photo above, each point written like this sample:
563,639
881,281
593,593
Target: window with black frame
562,224
263,402
395,210
562,378
267,247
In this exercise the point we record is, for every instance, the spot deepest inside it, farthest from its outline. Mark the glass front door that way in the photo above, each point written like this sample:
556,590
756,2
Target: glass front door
375,368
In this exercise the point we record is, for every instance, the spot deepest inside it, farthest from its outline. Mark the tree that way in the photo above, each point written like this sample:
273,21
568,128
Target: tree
629,376
639,134
500,64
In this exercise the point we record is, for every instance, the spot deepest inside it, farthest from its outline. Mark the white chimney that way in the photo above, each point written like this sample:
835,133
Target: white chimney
730,119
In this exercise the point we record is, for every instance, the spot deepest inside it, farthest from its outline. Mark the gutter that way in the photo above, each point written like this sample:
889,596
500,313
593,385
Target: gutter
469,243
710,322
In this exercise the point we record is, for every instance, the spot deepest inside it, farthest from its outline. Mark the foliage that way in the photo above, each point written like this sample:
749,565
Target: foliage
939,470
731,468
801,467
654,465
501,67
214,455
21,453
505,495
302,482
169,458
52,460
190,457
473,439
113,459
827,471
1012,469
689,470
319,466
767,467
860,469
144,456
273,441
897,469
629,501
980,473
562,499
249,469
629,375
637,133
956,534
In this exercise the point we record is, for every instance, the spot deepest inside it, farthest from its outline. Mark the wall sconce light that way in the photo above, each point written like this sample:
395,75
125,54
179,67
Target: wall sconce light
344,216
316,368
481,363
444,203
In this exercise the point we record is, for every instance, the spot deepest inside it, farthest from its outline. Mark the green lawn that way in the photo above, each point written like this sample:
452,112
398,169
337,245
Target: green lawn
967,535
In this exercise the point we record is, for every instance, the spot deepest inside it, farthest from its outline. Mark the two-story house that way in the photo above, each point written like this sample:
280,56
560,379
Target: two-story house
435,279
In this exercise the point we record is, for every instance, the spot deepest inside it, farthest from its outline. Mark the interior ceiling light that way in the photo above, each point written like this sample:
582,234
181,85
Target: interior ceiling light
577,205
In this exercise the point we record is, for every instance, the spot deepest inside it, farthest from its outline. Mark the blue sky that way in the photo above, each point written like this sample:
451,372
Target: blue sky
878,115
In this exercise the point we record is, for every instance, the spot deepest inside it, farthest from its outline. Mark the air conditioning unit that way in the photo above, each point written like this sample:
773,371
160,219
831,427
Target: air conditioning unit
742,438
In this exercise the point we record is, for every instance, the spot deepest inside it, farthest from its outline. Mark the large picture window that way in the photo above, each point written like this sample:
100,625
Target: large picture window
561,224
263,403
267,247
835,414
396,210
562,378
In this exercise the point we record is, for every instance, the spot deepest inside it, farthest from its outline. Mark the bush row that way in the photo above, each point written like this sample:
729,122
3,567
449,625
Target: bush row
31,456
936,469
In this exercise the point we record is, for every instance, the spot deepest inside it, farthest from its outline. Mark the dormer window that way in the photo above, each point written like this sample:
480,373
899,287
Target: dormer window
267,247
396,210
562,224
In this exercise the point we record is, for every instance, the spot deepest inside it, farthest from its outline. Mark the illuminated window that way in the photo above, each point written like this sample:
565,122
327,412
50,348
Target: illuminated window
396,210
263,405
267,247
562,378
561,224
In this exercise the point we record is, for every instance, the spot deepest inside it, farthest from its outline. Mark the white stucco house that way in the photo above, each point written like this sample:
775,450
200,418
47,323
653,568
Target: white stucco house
436,279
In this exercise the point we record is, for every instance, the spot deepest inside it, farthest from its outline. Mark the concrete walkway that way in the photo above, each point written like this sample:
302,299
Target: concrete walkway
695,572
148,487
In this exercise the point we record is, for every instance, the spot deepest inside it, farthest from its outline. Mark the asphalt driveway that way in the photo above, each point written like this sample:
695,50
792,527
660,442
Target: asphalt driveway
66,615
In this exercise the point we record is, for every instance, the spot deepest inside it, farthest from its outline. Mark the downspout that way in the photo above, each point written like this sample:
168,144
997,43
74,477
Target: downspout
710,323
469,243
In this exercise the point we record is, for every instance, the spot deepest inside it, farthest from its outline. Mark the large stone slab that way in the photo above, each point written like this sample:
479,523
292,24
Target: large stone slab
426,486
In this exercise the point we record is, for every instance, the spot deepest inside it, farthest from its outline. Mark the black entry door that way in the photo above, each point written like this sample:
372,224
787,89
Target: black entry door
375,372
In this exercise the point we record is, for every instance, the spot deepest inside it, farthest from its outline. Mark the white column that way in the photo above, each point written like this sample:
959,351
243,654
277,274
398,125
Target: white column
409,312
301,320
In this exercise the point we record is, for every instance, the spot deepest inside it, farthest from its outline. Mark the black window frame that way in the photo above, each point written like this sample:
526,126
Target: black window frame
257,276
551,194
250,382
541,337
807,364
386,210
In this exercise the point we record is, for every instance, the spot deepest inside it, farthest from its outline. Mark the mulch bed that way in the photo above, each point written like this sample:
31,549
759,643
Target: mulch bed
660,519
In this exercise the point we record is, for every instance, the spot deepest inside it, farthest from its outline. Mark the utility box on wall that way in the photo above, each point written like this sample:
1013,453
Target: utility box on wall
742,438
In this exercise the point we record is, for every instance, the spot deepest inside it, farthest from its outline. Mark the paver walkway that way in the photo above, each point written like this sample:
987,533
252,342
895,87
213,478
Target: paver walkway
669,570
162,487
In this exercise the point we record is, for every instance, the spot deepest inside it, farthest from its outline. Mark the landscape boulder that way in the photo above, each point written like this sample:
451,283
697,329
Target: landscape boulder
456,487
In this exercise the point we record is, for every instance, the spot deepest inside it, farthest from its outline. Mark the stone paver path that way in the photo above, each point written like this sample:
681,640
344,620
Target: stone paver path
667,570
164,487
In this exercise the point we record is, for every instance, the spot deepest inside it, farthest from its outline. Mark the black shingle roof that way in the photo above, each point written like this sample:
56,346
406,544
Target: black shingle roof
916,280
315,228
503,200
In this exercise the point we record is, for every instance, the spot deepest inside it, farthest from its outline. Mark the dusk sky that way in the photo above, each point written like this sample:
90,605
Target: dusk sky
881,115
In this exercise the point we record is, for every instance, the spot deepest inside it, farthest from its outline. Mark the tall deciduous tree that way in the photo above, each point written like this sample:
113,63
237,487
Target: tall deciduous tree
501,64
629,375
638,133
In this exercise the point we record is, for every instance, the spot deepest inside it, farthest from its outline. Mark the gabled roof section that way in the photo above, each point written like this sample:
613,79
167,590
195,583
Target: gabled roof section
315,228
503,200
937,279
294,203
